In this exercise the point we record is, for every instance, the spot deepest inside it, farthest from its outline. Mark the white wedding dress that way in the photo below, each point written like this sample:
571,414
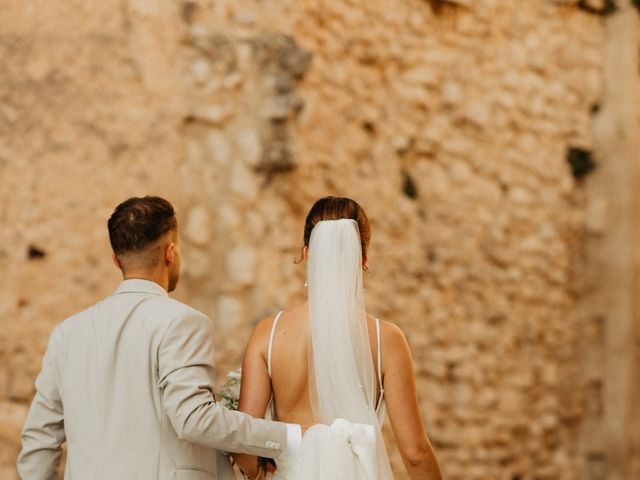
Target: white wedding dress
347,444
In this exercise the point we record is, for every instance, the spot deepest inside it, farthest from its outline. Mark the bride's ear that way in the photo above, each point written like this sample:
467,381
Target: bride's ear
305,253
364,263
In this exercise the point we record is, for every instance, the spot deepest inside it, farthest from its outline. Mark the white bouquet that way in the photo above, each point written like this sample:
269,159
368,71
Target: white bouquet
229,393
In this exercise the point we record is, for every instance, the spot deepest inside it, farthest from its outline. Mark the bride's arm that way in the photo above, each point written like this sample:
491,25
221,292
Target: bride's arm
255,389
402,404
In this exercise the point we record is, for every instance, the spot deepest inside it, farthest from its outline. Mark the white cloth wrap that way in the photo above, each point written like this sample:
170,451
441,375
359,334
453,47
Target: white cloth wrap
345,450
362,439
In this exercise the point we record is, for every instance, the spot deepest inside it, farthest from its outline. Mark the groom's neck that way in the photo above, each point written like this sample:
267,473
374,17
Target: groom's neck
156,277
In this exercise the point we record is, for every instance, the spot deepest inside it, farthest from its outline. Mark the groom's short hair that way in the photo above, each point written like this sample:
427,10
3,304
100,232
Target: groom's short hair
139,222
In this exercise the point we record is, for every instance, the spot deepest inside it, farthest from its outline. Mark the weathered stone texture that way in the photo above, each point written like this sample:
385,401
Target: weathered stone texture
448,121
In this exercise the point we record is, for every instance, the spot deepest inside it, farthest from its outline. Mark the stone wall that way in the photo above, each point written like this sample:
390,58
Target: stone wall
450,121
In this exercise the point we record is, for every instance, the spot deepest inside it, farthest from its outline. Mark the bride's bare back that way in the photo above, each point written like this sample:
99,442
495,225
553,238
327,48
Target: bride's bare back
289,365
289,368
289,383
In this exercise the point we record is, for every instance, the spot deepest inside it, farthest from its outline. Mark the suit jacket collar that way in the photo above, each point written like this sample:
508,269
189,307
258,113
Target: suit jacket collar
139,285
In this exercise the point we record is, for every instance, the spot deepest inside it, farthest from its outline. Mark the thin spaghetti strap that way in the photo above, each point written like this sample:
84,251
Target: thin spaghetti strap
273,331
379,358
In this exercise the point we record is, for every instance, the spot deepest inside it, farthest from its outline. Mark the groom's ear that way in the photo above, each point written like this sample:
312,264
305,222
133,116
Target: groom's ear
170,253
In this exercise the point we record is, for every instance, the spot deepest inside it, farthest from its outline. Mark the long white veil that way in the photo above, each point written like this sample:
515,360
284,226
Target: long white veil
342,374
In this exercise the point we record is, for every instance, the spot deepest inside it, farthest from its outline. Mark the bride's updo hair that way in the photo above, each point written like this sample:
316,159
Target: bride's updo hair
336,208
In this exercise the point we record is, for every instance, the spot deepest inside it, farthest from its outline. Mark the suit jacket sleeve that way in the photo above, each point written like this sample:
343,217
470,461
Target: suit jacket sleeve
186,376
43,433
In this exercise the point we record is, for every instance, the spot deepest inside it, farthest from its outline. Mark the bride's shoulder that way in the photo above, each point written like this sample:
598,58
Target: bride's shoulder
262,329
257,344
396,353
261,335
391,334
387,328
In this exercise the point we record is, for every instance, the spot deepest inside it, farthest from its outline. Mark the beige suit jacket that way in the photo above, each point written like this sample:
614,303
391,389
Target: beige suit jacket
127,384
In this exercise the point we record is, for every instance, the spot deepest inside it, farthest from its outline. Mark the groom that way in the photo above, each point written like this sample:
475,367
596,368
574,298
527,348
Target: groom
128,382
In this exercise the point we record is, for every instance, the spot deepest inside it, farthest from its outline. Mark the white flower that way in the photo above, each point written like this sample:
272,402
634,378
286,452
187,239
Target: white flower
229,394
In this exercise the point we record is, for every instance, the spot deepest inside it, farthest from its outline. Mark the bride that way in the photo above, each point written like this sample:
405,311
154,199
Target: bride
334,369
